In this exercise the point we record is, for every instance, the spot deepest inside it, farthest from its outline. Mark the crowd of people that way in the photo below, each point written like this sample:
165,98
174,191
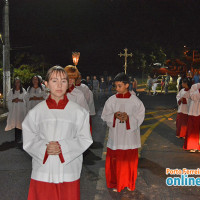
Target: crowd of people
152,84
54,119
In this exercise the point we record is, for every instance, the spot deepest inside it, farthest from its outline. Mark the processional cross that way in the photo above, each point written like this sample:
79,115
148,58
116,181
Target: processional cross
126,55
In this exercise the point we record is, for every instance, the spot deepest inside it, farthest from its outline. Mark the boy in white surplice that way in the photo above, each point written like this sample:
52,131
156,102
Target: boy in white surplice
123,113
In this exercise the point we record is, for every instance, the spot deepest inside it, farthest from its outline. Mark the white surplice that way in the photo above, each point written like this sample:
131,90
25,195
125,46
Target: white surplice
119,136
78,97
68,126
17,111
37,92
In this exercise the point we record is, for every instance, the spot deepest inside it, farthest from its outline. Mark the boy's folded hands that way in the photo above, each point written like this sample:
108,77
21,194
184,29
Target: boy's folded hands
122,116
53,148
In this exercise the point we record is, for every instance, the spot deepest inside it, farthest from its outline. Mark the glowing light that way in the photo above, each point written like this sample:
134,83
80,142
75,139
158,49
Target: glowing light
75,57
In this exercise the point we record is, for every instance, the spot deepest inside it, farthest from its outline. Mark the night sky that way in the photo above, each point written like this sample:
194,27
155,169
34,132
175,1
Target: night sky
100,29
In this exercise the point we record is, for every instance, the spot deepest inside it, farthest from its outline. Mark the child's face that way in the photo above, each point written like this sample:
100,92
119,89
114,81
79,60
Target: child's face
57,85
17,83
71,82
120,87
184,85
35,81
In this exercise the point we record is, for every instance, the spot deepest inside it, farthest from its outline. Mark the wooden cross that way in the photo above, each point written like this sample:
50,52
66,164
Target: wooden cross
126,55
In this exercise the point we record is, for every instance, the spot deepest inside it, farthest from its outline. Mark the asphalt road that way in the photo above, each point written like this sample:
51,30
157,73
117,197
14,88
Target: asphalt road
160,149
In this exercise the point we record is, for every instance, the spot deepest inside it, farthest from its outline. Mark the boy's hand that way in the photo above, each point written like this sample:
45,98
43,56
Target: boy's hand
53,148
118,115
124,116
181,99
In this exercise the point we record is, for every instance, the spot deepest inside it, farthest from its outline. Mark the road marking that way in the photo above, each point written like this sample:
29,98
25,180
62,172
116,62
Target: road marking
160,116
145,136
149,113
145,126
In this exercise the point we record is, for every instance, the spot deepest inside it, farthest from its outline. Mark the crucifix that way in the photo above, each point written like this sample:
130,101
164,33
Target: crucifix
126,55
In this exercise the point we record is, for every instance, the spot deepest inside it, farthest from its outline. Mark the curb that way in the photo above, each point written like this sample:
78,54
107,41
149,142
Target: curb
3,116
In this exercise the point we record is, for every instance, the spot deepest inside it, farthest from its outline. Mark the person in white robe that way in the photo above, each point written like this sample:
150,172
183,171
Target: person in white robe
55,134
123,113
35,93
87,93
16,108
183,101
192,139
73,93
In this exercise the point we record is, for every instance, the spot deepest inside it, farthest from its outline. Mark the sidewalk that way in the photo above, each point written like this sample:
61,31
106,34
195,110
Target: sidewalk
3,113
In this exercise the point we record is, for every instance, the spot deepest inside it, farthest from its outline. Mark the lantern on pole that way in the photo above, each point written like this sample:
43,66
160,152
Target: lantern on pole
75,57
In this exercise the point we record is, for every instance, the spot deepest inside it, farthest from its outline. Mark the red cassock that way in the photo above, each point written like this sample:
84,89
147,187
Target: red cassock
192,139
181,124
121,168
50,191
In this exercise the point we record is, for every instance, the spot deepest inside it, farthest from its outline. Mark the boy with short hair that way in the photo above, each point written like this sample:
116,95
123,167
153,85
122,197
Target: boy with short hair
123,113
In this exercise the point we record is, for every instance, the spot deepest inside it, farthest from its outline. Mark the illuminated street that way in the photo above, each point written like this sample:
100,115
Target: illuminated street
160,149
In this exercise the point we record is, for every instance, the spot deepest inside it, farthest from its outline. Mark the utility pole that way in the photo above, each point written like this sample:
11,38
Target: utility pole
6,53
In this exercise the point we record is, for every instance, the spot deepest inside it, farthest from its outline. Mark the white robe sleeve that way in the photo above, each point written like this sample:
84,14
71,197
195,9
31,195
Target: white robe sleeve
73,148
33,144
178,96
108,114
83,102
194,92
137,118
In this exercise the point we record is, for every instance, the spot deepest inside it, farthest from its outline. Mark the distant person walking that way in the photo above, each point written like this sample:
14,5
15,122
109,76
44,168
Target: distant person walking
162,84
134,84
102,85
178,83
95,85
196,78
89,82
154,85
110,85
149,85
167,80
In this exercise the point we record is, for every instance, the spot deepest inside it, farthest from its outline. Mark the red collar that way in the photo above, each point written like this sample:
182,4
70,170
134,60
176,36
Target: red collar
70,89
78,84
126,95
187,89
51,103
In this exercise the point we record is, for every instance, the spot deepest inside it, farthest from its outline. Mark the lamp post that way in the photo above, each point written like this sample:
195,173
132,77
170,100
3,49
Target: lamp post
75,57
6,53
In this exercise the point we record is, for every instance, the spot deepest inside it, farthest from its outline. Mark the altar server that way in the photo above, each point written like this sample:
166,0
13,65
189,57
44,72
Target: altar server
87,93
55,134
192,139
123,113
35,93
73,93
17,109
183,100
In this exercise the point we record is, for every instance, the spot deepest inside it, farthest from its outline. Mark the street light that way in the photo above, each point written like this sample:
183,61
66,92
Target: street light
75,57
